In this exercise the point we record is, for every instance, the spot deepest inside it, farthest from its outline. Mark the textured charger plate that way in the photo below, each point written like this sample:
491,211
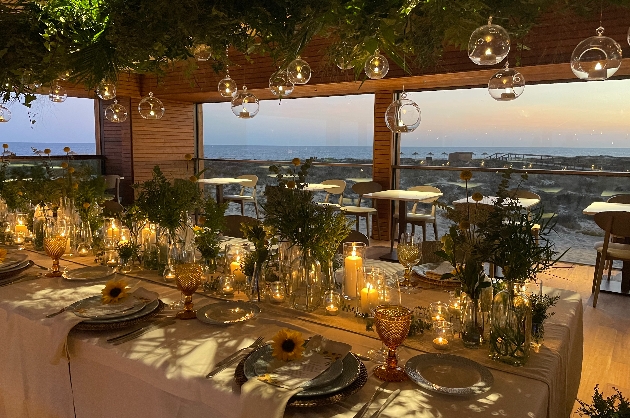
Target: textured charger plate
227,312
449,374
419,272
149,311
11,260
259,360
90,273
94,308
10,275
318,400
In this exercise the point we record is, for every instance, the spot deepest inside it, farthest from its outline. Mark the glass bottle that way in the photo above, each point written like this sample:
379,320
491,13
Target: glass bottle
306,282
511,330
472,323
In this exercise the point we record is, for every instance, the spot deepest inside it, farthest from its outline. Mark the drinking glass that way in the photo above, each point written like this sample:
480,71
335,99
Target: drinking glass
409,254
188,278
388,294
392,323
55,242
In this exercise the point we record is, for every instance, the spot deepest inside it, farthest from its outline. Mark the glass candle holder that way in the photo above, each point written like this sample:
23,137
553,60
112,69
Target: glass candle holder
277,292
111,234
439,311
21,230
110,258
443,335
332,302
369,283
226,285
353,256
235,256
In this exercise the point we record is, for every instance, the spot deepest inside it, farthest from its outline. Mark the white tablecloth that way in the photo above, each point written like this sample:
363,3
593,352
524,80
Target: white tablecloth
162,373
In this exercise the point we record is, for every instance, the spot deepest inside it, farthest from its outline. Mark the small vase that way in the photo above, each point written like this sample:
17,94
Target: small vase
472,323
511,332
84,239
306,283
125,265
256,285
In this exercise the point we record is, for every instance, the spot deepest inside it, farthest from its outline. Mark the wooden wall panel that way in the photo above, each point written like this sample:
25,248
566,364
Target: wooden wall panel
383,160
163,142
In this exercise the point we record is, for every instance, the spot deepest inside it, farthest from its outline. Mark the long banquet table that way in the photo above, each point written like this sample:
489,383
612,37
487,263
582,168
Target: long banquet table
162,373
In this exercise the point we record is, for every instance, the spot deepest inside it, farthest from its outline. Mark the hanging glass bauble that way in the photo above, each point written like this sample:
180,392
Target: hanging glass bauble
64,76
28,80
402,115
227,86
596,58
506,84
345,58
116,112
489,44
151,107
106,90
299,71
5,114
58,93
245,105
202,52
376,66
280,85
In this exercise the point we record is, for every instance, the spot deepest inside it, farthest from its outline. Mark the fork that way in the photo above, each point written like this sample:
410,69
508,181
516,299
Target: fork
226,362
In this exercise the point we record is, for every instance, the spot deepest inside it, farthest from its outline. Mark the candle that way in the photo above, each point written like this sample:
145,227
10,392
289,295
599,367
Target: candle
369,299
508,96
277,297
83,251
332,310
235,269
440,343
353,264
437,317
228,289
113,233
21,229
244,113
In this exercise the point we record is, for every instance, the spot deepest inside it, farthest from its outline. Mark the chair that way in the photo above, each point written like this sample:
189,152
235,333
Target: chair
249,182
526,194
354,236
337,188
362,211
111,208
233,225
112,182
620,198
423,218
613,223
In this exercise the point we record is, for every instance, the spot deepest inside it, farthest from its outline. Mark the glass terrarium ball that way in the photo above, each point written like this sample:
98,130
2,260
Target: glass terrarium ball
299,71
116,112
106,90
227,87
280,84
202,52
596,58
376,66
488,44
151,107
58,93
245,105
5,114
506,85
403,115
344,57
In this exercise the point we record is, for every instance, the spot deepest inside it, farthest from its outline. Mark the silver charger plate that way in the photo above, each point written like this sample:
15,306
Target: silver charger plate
150,310
11,260
94,308
227,312
350,372
259,360
449,374
90,273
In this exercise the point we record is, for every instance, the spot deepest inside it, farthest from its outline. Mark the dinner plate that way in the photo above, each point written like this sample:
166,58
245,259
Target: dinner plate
421,270
227,312
94,308
259,361
108,323
13,273
11,260
90,273
449,374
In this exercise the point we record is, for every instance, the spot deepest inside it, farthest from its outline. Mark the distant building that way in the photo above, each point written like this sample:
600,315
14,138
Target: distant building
460,156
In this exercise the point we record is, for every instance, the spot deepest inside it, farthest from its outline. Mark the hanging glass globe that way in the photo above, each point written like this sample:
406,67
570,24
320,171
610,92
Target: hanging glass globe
596,58
58,93
376,66
5,114
151,107
116,112
202,52
245,105
402,115
106,90
299,71
227,87
280,85
489,44
28,80
64,76
506,84
344,60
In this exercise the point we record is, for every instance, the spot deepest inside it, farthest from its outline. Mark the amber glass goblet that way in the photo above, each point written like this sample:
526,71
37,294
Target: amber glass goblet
188,278
55,246
392,324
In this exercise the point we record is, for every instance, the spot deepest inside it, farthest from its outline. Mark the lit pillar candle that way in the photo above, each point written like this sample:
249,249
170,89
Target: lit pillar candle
235,269
353,264
21,229
369,299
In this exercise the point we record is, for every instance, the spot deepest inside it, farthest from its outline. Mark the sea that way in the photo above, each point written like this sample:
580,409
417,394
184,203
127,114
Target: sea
328,153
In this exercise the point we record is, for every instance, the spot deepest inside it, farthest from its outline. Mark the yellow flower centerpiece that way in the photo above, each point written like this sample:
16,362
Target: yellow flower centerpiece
288,345
114,291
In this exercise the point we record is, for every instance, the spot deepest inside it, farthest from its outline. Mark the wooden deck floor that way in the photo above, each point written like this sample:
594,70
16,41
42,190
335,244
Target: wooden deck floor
606,328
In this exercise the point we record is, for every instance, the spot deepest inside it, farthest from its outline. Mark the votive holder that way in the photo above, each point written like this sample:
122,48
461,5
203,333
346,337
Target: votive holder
443,335
226,285
332,302
353,256
439,311
277,292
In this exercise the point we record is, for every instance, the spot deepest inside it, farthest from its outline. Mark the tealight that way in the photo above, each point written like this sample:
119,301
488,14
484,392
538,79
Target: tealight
442,335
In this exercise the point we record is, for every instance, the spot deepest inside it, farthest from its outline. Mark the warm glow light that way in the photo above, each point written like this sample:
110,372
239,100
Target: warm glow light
598,66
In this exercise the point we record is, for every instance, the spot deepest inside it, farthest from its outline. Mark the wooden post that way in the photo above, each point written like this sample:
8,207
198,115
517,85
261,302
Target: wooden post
384,158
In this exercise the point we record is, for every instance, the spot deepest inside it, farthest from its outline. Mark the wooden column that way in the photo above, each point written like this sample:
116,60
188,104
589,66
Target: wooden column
383,159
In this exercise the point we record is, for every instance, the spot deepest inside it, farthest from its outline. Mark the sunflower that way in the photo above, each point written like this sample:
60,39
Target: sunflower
86,205
291,184
296,161
114,291
47,151
64,165
193,179
288,345
70,170
3,254
188,157
477,197
464,225
5,146
66,149
465,175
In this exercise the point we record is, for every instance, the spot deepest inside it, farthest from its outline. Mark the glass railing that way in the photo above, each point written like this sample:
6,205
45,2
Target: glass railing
22,165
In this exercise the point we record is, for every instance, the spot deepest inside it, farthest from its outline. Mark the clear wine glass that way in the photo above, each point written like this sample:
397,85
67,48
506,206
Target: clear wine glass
409,254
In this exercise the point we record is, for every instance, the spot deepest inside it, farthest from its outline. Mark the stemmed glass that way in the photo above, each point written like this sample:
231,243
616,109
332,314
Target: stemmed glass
55,242
409,254
392,323
188,278
388,294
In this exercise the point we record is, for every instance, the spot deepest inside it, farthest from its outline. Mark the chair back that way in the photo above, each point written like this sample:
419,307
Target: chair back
233,225
475,213
522,194
355,236
620,198
428,252
112,182
111,208
366,187
337,188
613,223
425,189
249,180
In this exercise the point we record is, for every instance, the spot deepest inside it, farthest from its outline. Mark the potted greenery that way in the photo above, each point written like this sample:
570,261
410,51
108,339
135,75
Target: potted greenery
540,305
615,406
207,238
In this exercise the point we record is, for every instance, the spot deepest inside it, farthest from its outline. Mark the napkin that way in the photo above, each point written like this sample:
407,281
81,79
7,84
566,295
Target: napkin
443,268
61,325
268,395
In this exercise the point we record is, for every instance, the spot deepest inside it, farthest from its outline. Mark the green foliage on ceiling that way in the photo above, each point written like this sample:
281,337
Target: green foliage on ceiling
94,40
